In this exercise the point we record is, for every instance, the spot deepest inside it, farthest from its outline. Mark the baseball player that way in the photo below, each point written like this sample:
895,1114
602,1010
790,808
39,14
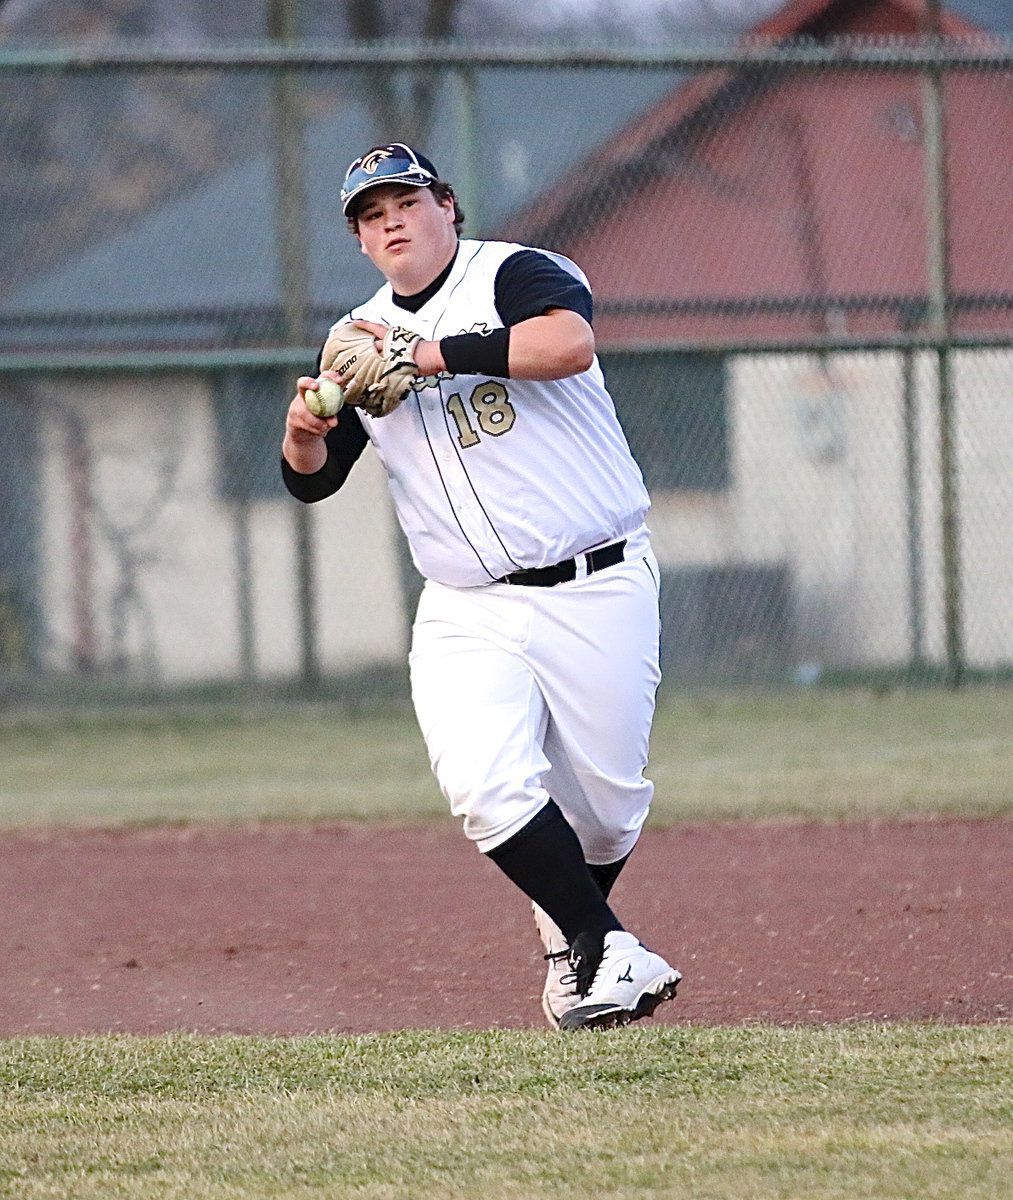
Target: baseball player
534,656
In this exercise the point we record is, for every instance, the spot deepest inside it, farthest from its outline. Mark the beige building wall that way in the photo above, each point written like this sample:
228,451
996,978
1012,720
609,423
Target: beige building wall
149,569
818,482
153,558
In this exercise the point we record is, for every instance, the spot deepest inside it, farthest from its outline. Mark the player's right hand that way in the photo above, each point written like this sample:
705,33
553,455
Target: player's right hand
303,447
300,424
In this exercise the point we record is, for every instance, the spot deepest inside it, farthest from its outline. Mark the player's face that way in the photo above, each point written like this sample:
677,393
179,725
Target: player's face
408,234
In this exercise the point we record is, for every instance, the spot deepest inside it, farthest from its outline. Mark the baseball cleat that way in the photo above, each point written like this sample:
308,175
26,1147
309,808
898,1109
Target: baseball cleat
559,994
629,983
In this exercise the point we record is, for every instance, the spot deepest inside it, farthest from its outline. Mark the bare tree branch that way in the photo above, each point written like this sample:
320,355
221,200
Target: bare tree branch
440,18
439,23
366,19
402,106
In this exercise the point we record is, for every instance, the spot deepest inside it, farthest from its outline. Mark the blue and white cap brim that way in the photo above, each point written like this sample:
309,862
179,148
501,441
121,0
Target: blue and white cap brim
395,163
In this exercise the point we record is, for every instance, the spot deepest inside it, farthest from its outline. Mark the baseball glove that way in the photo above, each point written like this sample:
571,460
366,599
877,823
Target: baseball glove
375,381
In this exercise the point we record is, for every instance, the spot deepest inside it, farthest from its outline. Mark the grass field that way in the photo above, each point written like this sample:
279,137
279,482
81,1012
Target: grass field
916,1112
883,1112
822,754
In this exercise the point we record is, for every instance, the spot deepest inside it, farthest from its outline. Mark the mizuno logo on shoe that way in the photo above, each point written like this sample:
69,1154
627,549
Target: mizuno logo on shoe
629,984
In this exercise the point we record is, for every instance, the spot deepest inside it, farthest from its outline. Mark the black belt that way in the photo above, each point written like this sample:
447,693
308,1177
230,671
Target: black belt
563,572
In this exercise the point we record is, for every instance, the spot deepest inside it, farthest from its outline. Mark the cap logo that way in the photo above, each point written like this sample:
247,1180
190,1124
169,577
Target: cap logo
373,159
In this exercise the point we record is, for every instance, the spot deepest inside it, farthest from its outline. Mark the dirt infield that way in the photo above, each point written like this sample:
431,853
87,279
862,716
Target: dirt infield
349,928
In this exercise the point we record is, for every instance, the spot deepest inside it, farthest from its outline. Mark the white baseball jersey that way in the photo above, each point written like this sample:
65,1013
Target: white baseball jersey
490,476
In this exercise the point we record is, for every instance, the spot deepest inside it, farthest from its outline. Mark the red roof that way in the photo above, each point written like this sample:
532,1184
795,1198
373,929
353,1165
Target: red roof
751,203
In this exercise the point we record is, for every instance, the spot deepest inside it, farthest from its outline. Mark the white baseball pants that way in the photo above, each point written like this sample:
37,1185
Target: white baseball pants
523,693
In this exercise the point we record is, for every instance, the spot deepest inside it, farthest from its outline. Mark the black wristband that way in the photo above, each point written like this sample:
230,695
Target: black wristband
478,353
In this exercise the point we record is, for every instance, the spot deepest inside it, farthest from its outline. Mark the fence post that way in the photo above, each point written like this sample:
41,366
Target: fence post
915,566
937,236
291,210
466,174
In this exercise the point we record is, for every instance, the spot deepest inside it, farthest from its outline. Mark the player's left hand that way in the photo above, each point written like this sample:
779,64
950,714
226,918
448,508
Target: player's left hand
427,355
378,331
376,372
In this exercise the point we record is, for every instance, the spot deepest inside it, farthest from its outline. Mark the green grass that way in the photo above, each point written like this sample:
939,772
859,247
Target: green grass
835,755
824,754
887,1112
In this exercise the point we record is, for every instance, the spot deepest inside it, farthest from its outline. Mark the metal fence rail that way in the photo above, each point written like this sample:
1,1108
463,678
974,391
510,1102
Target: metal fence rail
803,281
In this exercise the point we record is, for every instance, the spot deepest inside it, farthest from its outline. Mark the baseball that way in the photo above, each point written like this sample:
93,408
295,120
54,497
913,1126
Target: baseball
327,399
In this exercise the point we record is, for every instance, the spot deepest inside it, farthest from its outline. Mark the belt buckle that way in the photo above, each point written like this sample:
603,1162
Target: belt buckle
612,553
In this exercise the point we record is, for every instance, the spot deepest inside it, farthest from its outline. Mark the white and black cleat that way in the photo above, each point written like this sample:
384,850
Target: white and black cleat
559,993
629,984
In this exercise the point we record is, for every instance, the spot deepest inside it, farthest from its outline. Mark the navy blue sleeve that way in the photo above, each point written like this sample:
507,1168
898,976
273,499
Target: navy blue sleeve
345,442
529,283
344,445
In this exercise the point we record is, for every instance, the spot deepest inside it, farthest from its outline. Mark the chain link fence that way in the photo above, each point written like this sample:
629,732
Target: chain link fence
803,277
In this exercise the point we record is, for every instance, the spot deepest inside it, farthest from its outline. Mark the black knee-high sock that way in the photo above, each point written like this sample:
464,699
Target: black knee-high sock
606,875
545,861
